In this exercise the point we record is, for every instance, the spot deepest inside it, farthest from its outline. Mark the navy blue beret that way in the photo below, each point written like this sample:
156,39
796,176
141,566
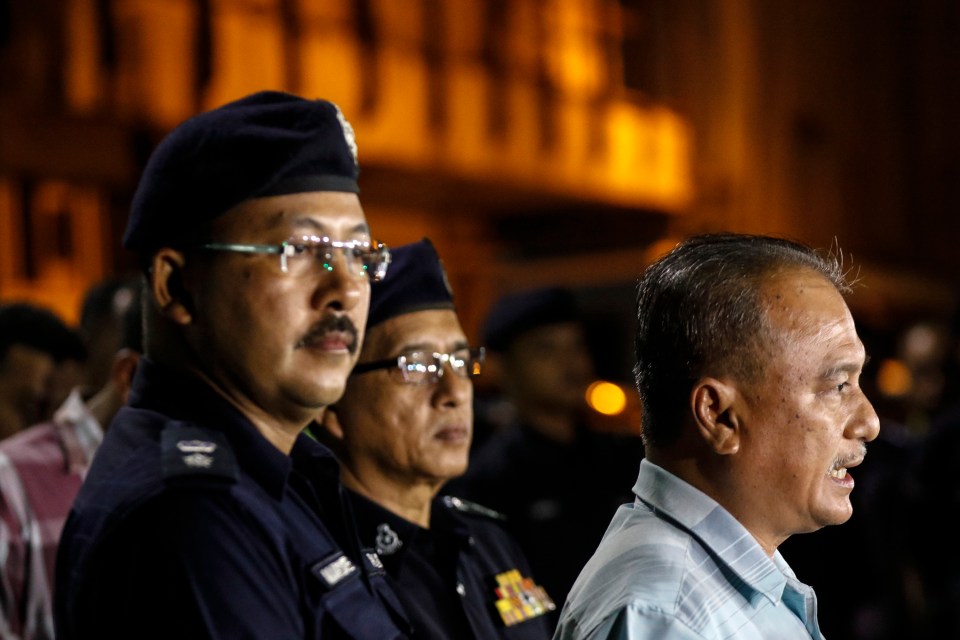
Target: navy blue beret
517,313
415,281
266,144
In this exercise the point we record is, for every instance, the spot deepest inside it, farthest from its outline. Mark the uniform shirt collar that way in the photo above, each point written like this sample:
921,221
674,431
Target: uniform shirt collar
185,397
377,526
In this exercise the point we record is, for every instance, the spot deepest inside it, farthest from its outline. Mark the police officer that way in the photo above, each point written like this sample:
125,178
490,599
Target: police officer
207,513
401,430
557,479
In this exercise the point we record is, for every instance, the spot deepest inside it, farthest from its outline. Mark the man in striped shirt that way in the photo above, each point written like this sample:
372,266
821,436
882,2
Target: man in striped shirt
42,467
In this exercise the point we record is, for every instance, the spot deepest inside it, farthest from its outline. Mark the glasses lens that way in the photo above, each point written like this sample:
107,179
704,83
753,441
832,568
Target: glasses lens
375,258
418,367
467,363
315,255
364,260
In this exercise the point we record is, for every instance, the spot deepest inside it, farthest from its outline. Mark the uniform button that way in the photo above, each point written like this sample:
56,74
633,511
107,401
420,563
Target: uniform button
462,590
471,541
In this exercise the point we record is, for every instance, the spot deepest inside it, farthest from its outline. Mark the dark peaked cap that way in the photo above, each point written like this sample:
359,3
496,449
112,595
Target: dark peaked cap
517,313
266,144
415,281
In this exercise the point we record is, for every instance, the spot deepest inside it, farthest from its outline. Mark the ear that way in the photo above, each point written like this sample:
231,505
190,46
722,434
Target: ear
329,421
167,285
715,416
121,374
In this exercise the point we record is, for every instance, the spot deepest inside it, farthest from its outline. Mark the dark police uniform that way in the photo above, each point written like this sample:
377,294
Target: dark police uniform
463,578
241,541
558,498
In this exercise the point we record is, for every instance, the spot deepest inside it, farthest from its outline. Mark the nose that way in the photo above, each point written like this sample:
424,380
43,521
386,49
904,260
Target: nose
452,389
339,287
865,425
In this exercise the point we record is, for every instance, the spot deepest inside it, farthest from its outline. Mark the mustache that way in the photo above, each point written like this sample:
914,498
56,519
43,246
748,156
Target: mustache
859,456
331,324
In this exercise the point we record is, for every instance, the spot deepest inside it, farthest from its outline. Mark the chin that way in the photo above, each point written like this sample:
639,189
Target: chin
835,516
451,470
320,395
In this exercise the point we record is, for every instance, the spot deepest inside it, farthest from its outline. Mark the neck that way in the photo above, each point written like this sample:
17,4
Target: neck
410,501
279,430
104,405
714,478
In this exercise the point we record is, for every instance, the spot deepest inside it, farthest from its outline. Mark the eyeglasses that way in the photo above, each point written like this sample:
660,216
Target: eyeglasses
422,367
314,255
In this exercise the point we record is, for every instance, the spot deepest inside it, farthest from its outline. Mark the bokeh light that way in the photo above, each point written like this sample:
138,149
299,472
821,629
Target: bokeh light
606,398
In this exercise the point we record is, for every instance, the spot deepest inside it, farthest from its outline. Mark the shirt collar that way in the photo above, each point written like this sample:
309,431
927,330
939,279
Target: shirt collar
184,396
79,432
704,518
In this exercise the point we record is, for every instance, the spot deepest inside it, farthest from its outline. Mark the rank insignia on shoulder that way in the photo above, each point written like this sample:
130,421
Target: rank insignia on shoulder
465,506
520,598
189,451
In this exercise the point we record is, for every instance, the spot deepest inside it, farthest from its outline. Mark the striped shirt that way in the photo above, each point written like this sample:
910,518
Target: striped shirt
675,565
41,469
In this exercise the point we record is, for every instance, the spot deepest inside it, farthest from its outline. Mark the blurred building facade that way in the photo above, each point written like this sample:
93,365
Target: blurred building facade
535,141
465,112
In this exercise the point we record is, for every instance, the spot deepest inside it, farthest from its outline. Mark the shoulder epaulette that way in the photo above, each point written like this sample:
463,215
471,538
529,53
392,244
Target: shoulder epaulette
465,506
189,452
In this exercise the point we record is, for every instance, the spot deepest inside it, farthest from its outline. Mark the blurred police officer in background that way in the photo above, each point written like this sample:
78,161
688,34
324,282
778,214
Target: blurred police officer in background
401,430
557,480
207,513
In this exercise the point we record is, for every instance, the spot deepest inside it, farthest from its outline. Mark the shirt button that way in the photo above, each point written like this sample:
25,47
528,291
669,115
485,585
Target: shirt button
462,590
471,541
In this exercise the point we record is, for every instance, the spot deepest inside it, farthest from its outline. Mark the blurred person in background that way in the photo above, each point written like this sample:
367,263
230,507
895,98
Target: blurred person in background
401,430
41,360
748,366
555,479
935,506
103,314
43,466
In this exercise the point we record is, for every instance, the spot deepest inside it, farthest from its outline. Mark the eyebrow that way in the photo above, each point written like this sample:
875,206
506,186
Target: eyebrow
847,367
361,227
300,220
459,345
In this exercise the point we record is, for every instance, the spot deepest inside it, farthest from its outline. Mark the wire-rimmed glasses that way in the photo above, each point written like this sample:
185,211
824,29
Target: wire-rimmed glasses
426,367
314,255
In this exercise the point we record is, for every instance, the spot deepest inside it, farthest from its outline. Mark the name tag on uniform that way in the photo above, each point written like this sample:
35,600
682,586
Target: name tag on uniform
334,570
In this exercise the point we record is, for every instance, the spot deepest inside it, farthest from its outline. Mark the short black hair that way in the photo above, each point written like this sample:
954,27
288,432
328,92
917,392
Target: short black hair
39,328
106,299
698,309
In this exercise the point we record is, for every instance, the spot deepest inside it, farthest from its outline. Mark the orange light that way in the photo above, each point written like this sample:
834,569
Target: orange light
606,398
893,378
